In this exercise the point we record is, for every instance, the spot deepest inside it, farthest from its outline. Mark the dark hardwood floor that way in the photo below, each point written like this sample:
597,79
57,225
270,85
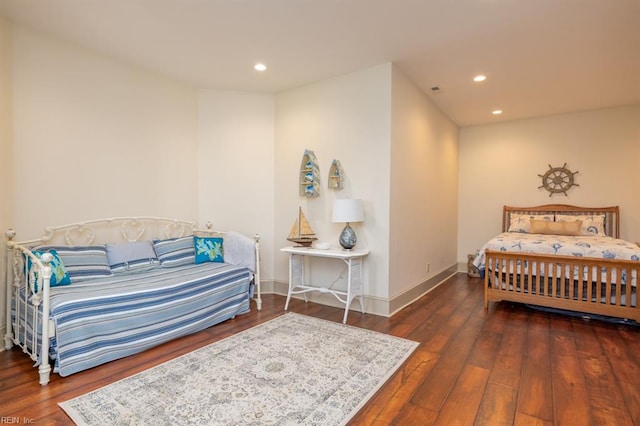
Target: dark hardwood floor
511,365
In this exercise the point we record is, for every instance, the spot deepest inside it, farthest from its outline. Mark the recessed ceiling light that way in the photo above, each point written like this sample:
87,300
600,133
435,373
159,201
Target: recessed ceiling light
479,78
496,112
259,67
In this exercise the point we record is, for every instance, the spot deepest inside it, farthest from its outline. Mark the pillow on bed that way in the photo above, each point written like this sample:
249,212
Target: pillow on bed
208,249
82,262
591,224
175,251
135,256
59,274
556,228
522,222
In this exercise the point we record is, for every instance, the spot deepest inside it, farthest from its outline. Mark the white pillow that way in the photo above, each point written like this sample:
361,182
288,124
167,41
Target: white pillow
522,222
592,224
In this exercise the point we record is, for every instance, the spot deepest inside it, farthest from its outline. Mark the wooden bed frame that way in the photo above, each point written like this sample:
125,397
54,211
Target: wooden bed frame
562,287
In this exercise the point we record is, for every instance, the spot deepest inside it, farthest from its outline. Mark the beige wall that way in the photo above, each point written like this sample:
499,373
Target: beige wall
235,164
97,138
424,189
346,118
399,154
119,141
499,164
6,151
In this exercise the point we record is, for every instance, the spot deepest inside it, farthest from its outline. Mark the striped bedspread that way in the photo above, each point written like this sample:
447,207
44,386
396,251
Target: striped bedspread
109,318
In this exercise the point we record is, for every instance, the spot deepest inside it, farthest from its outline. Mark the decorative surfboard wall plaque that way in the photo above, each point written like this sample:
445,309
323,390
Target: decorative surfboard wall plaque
309,175
336,175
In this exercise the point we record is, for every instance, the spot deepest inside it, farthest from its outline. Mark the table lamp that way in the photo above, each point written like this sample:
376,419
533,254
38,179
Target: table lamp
348,210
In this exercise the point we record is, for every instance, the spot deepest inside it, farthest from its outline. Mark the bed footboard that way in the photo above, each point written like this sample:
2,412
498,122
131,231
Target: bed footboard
28,279
597,286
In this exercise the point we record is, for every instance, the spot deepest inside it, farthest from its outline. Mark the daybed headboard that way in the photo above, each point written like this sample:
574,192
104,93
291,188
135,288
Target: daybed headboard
120,229
611,214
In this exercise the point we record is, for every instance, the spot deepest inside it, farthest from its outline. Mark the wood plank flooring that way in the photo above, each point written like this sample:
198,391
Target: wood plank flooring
510,366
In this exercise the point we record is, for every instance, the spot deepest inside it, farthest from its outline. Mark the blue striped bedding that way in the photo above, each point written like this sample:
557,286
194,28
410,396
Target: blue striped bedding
108,318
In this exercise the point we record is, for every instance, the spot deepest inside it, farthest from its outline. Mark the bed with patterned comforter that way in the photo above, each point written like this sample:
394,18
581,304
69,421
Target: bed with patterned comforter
596,246
566,267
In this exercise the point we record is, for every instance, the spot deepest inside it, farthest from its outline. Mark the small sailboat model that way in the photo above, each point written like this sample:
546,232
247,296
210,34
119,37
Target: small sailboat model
301,232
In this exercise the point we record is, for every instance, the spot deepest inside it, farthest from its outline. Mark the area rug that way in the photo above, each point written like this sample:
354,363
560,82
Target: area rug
291,370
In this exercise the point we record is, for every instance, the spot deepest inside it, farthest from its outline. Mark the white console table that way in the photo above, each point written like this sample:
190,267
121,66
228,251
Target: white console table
353,259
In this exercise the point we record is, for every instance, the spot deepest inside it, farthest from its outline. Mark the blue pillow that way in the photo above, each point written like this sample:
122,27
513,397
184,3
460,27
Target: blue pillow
59,274
83,262
175,251
208,249
133,256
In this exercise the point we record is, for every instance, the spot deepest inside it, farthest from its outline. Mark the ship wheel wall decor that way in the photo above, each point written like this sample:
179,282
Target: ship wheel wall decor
558,180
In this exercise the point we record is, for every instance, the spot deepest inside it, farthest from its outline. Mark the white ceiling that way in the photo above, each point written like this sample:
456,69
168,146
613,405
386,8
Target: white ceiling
541,57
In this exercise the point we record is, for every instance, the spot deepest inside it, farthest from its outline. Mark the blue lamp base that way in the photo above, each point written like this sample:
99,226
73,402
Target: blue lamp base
348,238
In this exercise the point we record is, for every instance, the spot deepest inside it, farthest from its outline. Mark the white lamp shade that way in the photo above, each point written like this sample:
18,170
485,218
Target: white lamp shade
347,210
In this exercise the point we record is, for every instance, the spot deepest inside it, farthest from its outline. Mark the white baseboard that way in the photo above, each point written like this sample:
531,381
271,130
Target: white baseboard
373,305
409,296
3,331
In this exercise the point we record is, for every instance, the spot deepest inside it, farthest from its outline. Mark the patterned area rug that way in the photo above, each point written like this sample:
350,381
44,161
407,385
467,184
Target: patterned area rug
292,370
